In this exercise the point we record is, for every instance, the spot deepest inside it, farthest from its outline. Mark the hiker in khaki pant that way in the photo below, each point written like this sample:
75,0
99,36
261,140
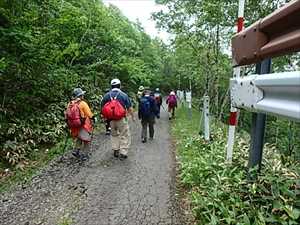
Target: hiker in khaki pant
120,133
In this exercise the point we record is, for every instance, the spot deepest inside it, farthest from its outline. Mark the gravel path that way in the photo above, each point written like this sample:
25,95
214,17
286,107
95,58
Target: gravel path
102,190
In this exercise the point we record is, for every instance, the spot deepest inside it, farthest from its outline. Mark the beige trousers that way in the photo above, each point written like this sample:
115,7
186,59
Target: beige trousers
120,135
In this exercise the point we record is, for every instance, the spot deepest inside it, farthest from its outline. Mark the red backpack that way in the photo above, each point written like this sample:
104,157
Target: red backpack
73,116
172,101
113,110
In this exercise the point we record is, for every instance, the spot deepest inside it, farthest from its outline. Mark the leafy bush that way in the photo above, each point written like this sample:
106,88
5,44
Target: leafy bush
223,194
21,137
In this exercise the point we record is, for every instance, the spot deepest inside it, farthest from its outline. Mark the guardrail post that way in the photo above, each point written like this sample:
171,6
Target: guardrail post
258,124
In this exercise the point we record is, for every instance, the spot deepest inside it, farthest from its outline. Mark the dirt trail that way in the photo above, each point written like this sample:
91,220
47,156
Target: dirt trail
102,190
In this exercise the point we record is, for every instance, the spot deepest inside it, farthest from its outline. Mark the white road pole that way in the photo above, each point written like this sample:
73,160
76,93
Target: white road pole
206,117
236,74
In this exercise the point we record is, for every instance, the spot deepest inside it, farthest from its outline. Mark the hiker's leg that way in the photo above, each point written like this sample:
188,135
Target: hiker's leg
107,126
115,139
151,127
125,137
173,112
86,146
170,112
77,147
144,129
78,144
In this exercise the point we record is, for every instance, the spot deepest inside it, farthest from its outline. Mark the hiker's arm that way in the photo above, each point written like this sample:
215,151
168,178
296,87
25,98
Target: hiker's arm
139,112
130,111
87,111
154,108
104,101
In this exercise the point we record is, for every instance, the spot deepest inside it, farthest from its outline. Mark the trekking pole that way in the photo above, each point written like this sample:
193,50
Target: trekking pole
163,107
65,144
66,139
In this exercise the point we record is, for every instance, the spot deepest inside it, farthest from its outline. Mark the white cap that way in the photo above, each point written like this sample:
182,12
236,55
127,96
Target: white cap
115,81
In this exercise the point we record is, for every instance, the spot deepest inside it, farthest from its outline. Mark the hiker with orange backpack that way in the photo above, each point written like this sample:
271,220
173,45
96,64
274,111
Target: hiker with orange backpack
79,120
115,106
172,104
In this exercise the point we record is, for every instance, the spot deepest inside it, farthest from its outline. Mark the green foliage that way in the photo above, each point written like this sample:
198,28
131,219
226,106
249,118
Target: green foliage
50,47
65,221
199,58
221,193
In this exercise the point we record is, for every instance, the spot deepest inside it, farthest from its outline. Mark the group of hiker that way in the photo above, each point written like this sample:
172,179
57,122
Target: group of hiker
116,106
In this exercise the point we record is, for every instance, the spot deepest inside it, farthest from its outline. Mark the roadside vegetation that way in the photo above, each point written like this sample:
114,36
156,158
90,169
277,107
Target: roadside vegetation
23,172
221,193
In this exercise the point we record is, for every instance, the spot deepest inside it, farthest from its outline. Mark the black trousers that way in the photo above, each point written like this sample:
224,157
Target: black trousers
148,122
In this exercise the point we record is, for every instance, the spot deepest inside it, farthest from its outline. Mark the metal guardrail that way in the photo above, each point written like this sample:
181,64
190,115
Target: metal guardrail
276,34
277,93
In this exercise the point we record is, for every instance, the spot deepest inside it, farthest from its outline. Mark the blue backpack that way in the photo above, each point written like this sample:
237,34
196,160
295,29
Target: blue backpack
145,107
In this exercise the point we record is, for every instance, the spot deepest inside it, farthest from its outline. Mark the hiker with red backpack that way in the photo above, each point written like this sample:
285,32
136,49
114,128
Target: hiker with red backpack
158,100
115,106
147,112
79,120
172,104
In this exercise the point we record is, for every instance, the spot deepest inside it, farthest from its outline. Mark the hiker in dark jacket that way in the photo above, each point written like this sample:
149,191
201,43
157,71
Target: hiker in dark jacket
147,113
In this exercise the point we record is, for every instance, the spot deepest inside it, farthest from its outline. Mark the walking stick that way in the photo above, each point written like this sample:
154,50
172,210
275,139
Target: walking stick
66,139
163,107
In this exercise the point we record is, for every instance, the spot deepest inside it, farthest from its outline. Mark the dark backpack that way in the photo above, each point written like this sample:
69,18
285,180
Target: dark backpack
113,110
73,116
145,107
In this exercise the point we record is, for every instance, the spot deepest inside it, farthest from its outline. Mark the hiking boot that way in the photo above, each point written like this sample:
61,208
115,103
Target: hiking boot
116,153
83,157
151,139
123,157
107,132
76,153
144,140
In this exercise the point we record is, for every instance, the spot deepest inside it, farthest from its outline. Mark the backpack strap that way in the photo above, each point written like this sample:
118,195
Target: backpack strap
114,98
